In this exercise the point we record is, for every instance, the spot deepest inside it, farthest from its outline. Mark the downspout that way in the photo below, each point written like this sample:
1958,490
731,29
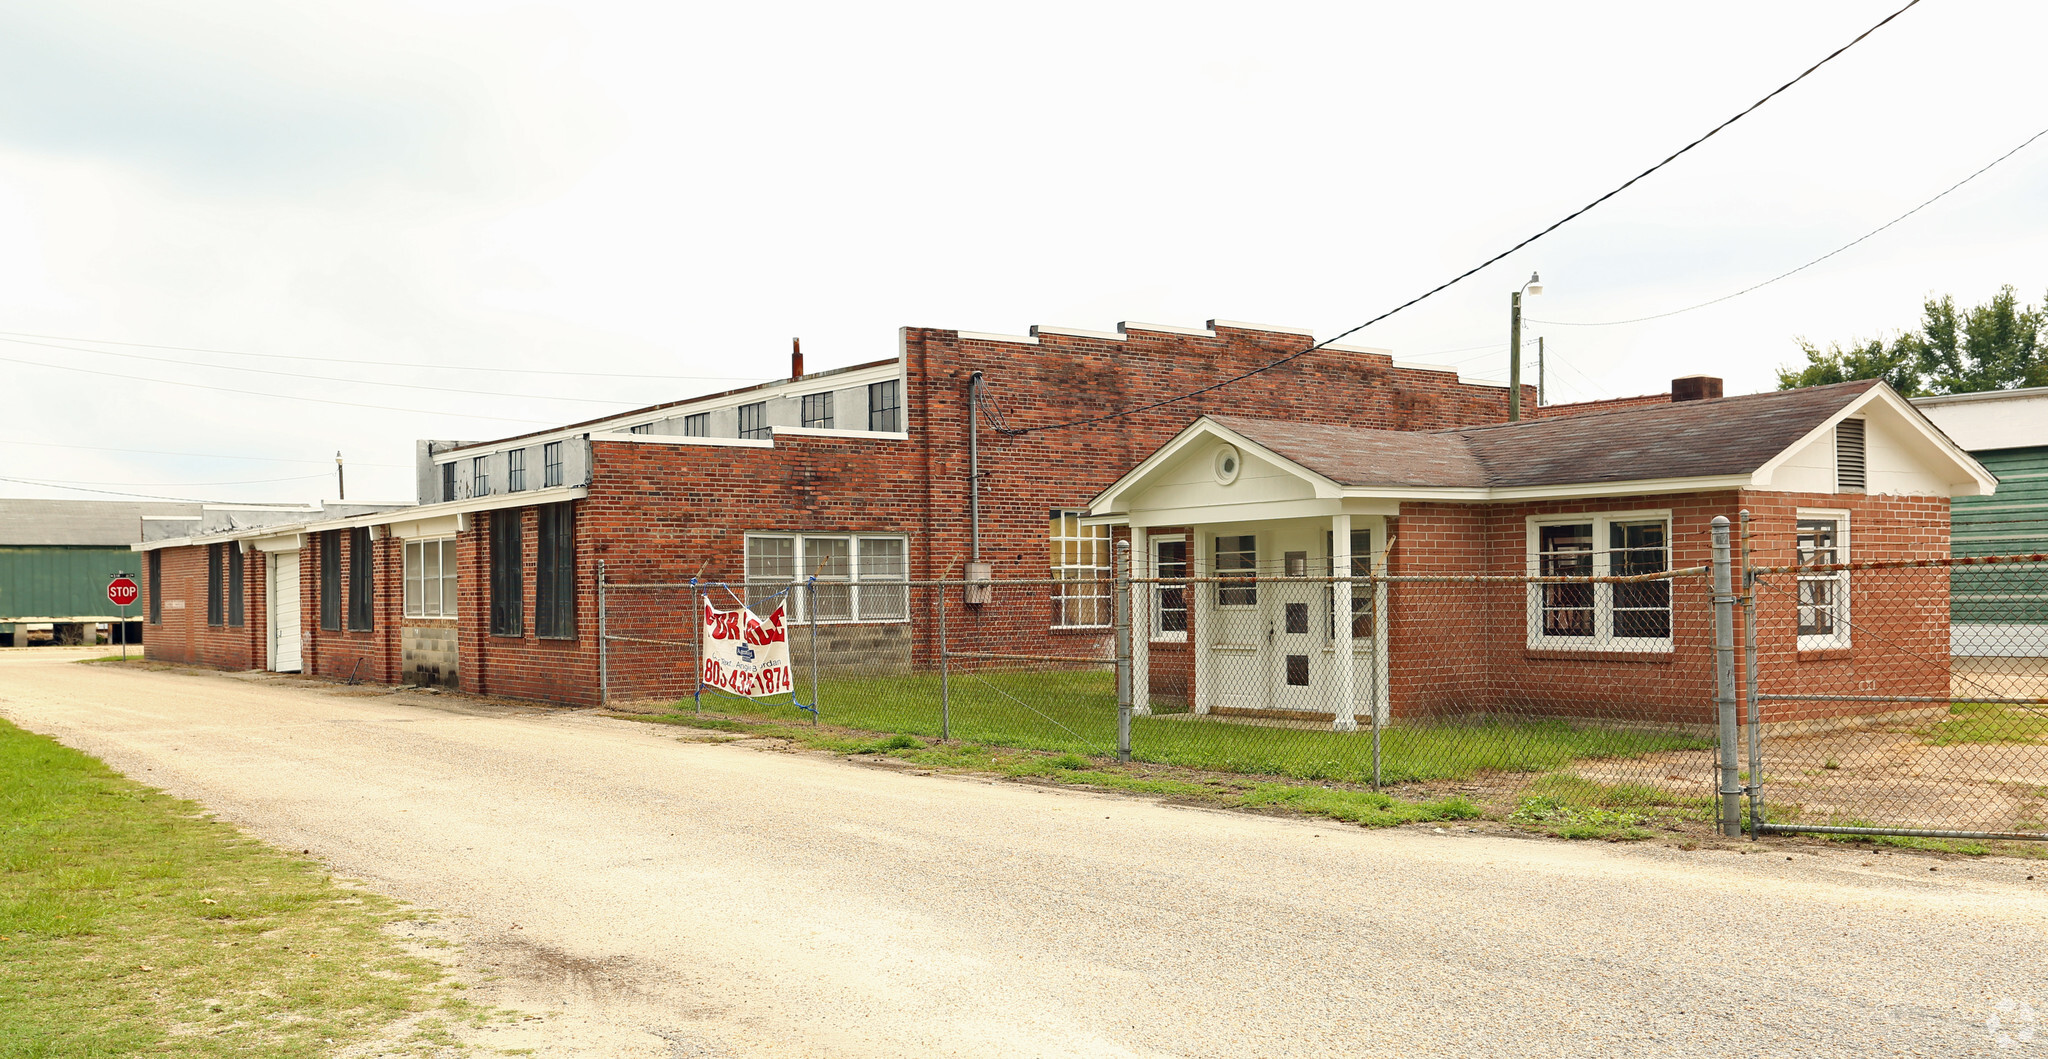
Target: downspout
974,383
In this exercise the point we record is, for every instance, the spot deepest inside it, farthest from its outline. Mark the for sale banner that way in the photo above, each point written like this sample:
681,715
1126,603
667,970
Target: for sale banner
744,653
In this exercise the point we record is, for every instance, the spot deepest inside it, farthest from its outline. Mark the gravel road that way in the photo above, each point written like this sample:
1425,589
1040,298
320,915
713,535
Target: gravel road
647,895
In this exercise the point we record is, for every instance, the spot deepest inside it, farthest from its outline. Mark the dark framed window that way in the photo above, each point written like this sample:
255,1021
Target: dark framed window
754,420
156,588
480,476
508,579
1171,564
362,567
236,572
215,612
818,410
330,580
551,464
885,405
515,470
448,481
640,428
1237,556
554,585
697,425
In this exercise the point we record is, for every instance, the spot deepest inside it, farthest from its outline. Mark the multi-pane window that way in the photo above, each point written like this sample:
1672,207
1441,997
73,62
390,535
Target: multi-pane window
1169,563
1361,589
156,590
430,578
1627,616
860,578
551,464
480,476
817,410
1823,594
697,425
216,611
754,420
1237,556
1080,562
235,574
362,564
554,586
640,428
508,578
448,481
330,580
885,405
515,470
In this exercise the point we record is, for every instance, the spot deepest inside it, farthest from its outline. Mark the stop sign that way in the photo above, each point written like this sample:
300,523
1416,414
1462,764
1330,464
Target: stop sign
121,591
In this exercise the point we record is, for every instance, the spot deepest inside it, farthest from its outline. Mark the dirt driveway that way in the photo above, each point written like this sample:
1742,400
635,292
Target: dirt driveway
647,896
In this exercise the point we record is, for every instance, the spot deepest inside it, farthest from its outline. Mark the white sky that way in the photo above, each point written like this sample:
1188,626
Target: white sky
658,189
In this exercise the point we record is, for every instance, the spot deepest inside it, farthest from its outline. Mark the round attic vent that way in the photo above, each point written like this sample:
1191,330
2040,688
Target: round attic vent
1228,463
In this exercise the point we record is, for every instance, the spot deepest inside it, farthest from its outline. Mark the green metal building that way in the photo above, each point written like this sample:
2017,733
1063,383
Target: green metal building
2000,611
56,557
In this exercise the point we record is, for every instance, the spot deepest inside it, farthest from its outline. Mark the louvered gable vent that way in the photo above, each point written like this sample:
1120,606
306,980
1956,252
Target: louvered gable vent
1849,462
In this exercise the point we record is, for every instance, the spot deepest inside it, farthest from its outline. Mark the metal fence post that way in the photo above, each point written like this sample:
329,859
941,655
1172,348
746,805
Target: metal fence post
811,597
1724,679
1123,651
945,677
1753,712
604,643
697,645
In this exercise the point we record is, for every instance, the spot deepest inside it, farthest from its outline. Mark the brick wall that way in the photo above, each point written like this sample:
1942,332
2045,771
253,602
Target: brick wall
184,635
370,655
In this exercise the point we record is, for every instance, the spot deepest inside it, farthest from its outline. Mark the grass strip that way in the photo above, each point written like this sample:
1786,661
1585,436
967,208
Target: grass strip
131,925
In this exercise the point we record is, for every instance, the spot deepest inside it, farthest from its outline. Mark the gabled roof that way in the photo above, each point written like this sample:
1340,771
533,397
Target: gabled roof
1719,443
1689,439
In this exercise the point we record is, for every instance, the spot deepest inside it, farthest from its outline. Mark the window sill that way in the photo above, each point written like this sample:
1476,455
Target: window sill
1594,654
571,638
1824,654
1079,628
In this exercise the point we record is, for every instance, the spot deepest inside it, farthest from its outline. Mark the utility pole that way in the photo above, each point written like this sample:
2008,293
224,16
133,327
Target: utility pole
1534,286
340,480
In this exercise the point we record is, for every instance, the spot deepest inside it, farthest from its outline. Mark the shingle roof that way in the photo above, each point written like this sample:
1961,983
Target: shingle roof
1689,439
81,522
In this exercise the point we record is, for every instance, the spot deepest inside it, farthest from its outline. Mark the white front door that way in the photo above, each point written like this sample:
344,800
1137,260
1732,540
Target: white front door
283,594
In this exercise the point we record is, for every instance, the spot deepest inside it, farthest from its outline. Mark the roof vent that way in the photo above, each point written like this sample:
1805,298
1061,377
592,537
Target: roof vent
1849,464
1695,388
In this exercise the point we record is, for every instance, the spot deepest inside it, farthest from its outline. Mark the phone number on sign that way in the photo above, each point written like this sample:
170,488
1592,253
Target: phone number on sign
771,681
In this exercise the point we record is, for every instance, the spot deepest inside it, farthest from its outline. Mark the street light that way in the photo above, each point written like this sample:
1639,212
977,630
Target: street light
1534,286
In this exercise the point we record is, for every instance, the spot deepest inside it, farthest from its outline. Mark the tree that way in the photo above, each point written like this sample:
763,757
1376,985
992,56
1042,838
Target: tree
1994,346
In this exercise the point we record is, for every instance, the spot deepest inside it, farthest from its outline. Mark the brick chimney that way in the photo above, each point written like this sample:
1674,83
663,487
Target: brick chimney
796,360
1695,388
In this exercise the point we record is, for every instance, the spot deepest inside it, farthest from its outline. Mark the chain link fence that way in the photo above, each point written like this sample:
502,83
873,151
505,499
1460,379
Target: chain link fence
1900,697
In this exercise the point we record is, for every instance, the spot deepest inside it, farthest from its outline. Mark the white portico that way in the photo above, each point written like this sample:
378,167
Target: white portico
1215,503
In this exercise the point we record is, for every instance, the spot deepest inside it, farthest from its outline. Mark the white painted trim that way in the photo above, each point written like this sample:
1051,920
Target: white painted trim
1882,393
835,432
1988,395
1075,332
1106,501
986,336
1240,325
1844,541
1603,594
1128,326
786,389
681,439
494,502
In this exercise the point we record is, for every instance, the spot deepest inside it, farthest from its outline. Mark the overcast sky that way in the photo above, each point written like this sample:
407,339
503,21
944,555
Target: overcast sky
671,192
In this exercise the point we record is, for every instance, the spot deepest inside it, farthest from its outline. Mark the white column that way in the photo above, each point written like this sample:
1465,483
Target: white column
1346,705
1203,614
1141,623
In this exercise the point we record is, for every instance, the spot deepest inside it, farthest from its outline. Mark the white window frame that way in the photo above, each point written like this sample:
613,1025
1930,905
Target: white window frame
1093,546
1603,638
1839,639
855,577
1187,598
415,577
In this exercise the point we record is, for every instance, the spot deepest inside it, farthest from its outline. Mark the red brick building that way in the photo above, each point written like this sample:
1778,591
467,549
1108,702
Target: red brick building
1826,473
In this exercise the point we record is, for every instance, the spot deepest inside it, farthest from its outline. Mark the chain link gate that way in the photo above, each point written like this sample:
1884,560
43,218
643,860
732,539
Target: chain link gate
1896,697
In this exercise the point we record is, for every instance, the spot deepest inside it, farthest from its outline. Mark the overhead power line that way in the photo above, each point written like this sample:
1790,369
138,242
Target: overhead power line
197,455
1802,268
111,492
468,391
273,396
1468,273
66,483
387,363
